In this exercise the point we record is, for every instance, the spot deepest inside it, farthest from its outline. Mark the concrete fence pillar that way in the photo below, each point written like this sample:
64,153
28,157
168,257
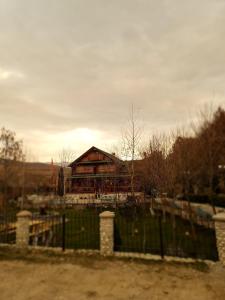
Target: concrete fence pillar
220,235
22,229
107,233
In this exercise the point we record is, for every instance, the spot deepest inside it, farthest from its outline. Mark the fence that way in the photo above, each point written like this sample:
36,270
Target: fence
82,228
140,230
135,228
46,230
8,228
76,228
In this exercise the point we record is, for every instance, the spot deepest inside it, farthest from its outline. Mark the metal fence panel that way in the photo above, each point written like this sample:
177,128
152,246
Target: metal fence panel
136,231
82,229
74,228
8,228
142,230
46,230
184,239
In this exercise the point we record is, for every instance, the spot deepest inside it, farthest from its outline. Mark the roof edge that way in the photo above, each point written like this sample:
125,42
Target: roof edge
113,158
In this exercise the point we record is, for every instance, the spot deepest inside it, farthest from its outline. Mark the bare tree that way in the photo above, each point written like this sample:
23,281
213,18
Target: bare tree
155,164
131,138
11,153
66,156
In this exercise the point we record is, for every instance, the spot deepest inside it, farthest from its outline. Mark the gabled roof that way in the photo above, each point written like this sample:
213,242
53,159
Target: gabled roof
93,148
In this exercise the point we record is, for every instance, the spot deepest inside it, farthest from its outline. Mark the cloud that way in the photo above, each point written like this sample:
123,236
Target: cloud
10,74
77,140
66,65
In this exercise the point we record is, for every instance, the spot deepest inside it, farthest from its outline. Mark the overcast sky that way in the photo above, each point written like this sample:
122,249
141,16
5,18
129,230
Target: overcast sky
69,70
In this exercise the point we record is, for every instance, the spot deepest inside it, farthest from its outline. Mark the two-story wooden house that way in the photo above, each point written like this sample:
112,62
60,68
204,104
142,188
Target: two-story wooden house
99,172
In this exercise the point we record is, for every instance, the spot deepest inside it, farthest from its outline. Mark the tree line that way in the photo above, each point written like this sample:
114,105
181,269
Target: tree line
188,162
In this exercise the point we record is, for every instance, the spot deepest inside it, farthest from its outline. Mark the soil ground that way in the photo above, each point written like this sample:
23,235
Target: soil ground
47,277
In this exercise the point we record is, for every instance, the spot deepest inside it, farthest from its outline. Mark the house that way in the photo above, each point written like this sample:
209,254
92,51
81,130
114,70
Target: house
98,172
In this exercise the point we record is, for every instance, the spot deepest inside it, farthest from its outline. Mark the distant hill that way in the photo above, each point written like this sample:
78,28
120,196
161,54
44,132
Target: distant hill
34,176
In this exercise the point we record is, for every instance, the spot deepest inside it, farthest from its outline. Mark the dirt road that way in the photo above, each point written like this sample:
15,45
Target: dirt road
107,279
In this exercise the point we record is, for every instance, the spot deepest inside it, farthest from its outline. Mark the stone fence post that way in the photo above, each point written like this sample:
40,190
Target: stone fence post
220,235
107,233
22,229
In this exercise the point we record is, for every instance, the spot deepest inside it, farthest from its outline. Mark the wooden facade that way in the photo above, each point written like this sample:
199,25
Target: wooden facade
99,172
